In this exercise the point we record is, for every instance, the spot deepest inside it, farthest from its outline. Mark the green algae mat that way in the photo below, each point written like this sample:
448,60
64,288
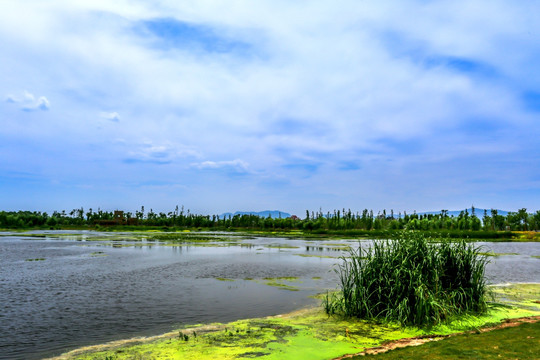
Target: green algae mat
305,334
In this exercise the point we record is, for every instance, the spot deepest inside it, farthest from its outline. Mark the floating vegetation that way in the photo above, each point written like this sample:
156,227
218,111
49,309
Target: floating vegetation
318,256
281,246
520,295
536,256
412,281
337,244
279,282
98,254
496,254
285,278
223,279
343,248
281,285
195,237
37,259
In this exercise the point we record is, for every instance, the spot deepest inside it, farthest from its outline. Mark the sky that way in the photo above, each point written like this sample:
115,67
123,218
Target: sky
249,105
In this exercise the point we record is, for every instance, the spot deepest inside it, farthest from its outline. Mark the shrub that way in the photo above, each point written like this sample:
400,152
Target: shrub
411,280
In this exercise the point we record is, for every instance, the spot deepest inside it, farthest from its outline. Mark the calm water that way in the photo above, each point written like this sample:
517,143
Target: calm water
88,292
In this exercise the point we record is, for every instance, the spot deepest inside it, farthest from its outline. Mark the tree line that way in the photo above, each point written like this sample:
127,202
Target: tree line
367,220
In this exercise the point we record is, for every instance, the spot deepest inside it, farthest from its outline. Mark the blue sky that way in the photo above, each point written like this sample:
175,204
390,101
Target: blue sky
253,105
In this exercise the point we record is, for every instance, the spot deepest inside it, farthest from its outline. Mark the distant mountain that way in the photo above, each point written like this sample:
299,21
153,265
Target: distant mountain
477,211
275,214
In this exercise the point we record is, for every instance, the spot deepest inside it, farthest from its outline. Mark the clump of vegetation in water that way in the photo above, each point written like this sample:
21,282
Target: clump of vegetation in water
411,280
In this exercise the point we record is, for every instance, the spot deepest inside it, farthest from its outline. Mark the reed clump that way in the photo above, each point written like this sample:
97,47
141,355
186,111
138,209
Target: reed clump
411,280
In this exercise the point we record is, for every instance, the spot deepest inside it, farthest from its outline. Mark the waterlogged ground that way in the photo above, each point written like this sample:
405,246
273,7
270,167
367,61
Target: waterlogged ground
62,290
306,334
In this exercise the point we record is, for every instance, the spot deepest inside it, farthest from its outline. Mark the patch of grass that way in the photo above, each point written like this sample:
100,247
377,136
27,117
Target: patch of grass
521,342
224,279
411,280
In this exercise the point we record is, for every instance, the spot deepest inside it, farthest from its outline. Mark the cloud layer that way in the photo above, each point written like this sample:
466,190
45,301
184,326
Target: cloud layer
273,104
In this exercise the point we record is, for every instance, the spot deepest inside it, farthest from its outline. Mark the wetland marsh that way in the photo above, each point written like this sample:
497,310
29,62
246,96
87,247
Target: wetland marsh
63,290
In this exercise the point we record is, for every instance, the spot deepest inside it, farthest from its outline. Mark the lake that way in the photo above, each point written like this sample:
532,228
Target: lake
61,290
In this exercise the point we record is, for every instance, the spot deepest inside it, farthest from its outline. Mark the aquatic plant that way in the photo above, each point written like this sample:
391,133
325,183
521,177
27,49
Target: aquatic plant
411,280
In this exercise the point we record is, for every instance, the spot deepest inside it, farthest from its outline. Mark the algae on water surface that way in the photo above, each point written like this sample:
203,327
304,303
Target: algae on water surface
305,334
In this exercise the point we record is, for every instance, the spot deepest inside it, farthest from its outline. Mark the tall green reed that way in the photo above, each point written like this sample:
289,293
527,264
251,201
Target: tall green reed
411,280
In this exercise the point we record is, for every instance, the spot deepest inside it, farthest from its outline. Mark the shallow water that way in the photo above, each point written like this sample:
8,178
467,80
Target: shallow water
87,292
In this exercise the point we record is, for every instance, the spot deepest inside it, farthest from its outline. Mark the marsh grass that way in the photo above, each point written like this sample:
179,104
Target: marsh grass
411,280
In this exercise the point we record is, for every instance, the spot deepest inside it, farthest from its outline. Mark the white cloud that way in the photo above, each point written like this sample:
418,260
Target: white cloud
111,116
28,102
151,152
236,165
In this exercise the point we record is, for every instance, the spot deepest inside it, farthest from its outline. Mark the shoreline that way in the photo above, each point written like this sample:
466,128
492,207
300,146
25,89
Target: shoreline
298,334
200,329
477,236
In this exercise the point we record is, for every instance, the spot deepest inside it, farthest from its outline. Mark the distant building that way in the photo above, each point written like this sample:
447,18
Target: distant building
118,219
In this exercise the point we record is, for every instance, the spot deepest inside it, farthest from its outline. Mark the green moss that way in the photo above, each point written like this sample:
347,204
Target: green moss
223,279
37,259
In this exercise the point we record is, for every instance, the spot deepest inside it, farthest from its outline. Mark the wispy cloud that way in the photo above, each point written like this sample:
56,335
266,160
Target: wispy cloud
151,153
28,102
111,116
236,165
